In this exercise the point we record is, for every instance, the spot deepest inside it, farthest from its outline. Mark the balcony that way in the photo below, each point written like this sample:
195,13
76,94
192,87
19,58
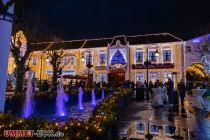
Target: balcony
154,66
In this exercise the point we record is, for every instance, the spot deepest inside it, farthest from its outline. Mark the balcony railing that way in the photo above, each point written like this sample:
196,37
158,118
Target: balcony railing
100,67
154,66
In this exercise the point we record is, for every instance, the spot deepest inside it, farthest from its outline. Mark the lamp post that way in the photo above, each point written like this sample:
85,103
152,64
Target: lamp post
147,63
89,65
40,76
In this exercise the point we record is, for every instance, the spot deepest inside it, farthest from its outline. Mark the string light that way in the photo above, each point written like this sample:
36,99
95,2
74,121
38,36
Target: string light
103,116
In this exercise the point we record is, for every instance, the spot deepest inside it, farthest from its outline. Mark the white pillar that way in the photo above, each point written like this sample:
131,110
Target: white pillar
5,36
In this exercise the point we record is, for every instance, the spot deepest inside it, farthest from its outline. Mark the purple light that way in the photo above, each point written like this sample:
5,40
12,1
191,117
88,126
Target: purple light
80,99
93,98
61,99
28,106
197,40
102,96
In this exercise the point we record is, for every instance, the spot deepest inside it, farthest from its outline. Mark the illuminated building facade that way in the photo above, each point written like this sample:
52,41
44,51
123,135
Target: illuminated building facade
114,59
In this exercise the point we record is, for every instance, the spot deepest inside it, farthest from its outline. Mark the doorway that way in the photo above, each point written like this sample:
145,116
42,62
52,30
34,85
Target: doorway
116,77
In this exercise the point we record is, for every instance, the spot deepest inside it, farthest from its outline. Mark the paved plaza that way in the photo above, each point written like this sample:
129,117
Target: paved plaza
190,123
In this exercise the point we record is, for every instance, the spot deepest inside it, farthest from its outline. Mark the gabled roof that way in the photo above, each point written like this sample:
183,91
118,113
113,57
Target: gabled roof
121,38
103,42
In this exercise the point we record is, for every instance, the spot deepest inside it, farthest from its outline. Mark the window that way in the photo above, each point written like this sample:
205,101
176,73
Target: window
166,55
102,77
152,56
153,77
65,60
205,48
188,49
68,72
139,56
102,58
140,77
34,60
167,76
72,60
88,58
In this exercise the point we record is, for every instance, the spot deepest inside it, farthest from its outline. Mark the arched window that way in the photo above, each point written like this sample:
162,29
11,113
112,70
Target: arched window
118,58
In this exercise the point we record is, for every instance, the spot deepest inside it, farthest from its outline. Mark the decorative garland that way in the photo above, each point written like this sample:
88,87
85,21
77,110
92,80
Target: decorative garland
103,117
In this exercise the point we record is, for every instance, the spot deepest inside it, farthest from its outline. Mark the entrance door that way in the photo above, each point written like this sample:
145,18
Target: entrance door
116,78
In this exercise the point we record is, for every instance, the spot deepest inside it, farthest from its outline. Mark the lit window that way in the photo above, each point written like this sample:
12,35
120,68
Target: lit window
65,60
102,77
153,77
139,56
102,58
140,77
72,60
152,56
34,60
88,58
168,76
166,55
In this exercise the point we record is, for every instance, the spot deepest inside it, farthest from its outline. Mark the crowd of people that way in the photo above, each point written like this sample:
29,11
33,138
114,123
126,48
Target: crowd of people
160,92
157,90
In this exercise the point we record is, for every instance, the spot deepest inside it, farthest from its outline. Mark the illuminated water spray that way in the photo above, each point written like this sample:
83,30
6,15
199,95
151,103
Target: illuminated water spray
28,108
80,106
102,96
61,99
93,97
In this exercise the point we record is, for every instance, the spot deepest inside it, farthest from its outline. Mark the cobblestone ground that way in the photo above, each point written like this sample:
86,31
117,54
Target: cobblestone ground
190,123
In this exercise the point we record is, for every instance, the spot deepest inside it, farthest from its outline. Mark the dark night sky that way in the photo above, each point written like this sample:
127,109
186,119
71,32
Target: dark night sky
77,19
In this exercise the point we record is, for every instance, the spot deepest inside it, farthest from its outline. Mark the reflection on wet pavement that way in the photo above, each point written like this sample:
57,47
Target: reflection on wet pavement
166,122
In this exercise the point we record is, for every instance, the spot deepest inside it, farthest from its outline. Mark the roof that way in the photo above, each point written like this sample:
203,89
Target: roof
93,43
152,38
103,42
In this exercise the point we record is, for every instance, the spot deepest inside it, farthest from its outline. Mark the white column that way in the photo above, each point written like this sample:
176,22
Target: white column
5,35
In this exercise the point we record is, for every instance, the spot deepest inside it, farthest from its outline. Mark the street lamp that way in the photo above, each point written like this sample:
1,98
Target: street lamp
147,63
40,76
156,53
89,65
83,59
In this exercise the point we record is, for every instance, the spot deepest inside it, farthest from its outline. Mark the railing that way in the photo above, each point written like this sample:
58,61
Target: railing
100,67
154,66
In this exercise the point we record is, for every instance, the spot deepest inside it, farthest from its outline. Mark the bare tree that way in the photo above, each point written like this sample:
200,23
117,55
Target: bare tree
20,54
25,32
56,60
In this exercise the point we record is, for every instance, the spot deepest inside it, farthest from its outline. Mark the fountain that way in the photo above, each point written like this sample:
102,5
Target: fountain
93,97
80,98
28,105
102,96
61,99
